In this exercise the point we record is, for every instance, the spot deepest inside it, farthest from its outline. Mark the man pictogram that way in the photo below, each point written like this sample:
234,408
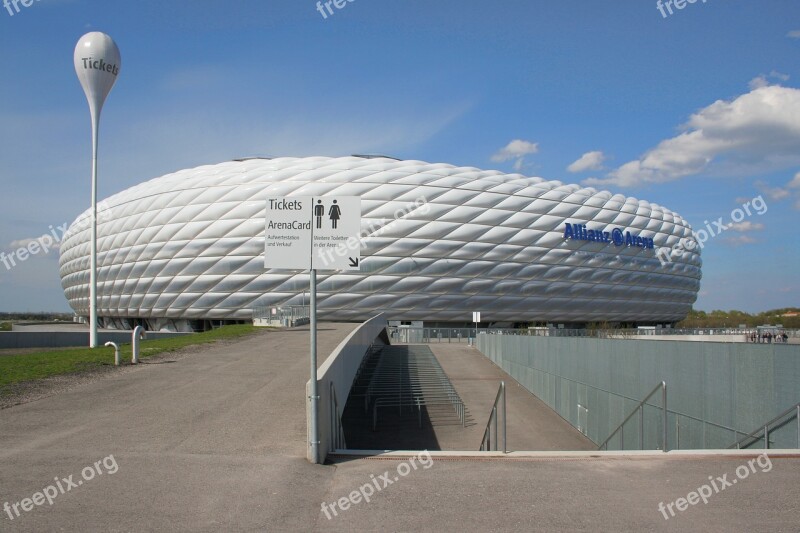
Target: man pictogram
319,212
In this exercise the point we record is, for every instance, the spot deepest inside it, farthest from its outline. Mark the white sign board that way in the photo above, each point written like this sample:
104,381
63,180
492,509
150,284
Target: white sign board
335,231
304,232
476,316
288,233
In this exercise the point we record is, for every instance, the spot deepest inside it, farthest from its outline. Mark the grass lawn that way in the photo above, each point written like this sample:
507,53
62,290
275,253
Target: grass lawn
28,367
5,326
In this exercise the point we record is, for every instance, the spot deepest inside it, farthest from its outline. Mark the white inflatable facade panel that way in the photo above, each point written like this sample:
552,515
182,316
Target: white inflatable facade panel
439,242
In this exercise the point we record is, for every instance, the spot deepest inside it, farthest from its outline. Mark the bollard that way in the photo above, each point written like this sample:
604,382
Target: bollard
138,332
116,352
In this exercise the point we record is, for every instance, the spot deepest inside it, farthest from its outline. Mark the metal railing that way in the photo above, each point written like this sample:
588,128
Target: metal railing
784,418
286,316
337,431
430,335
640,409
492,424
406,335
406,376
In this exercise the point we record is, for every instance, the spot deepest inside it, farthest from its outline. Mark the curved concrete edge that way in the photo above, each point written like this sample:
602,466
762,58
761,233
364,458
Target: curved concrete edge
622,454
337,374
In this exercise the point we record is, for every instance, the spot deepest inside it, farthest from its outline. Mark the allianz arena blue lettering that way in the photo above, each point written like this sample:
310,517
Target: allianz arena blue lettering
579,232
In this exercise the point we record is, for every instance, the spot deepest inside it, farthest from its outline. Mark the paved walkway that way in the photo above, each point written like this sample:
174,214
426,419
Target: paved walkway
216,442
532,425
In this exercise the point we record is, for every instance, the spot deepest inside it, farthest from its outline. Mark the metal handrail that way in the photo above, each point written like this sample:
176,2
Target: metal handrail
795,409
486,442
640,409
408,376
337,431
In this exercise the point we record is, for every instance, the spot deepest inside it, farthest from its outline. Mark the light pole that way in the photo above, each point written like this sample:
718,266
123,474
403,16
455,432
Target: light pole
97,63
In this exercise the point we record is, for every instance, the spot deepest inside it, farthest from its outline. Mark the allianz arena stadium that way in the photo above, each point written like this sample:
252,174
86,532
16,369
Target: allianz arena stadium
438,242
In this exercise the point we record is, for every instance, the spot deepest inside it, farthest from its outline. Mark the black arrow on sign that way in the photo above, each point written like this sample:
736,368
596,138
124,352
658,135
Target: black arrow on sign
354,262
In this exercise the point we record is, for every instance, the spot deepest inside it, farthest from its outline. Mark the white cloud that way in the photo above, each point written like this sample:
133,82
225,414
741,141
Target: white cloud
754,133
773,193
776,194
21,243
744,227
740,240
794,34
758,82
52,244
762,80
514,150
588,161
779,75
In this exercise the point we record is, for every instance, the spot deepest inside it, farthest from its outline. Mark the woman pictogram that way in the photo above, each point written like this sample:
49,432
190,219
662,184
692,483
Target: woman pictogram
335,214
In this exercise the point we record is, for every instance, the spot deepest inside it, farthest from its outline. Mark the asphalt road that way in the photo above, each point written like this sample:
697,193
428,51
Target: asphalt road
215,441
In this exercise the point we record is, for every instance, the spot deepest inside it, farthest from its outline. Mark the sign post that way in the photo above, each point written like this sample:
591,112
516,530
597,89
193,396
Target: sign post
313,394
476,317
313,233
97,63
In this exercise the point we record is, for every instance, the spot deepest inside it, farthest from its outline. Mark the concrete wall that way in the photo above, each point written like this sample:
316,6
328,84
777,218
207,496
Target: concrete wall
716,391
68,339
336,375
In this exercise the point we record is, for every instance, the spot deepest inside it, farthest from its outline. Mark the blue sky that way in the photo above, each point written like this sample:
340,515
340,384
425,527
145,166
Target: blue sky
698,111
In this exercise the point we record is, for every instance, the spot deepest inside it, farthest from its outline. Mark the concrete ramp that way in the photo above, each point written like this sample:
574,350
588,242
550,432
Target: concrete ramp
532,425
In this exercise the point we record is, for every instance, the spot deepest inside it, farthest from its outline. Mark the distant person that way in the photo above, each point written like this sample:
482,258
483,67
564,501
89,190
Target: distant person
785,337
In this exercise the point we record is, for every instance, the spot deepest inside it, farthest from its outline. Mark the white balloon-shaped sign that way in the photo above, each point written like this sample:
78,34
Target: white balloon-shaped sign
97,64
